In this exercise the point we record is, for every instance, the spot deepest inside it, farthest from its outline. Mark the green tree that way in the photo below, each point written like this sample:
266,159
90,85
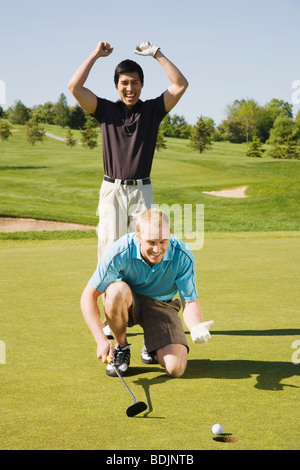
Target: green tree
175,126
161,142
282,128
166,126
296,130
248,114
270,112
18,113
77,118
285,148
231,128
283,138
292,149
5,129
61,112
276,107
244,119
44,113
255,148
182,129
70,141
89,135
201,135
34,132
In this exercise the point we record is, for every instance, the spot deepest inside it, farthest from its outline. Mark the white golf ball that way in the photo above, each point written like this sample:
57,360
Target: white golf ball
217,429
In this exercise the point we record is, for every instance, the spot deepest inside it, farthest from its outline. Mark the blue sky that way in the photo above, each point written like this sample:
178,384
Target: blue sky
226,49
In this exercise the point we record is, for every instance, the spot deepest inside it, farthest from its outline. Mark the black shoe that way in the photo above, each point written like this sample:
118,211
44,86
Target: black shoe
121,361
148,358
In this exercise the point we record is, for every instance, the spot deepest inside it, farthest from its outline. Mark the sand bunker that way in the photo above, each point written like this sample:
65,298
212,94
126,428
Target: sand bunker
19,224
231,192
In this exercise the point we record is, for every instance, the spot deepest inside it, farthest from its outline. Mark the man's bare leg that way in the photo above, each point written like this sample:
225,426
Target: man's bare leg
118,299
173,358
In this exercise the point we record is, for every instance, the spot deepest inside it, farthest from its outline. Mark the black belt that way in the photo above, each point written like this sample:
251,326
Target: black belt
129,182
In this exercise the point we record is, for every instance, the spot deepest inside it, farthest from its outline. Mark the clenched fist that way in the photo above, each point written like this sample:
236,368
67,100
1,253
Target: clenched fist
103,49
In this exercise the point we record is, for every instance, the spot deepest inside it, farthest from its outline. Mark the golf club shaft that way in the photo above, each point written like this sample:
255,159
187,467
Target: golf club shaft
108,360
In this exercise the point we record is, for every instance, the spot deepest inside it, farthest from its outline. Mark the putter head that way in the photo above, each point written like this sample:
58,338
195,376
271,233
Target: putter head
136,408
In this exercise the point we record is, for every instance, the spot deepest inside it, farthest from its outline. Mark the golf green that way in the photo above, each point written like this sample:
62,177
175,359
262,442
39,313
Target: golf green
55,393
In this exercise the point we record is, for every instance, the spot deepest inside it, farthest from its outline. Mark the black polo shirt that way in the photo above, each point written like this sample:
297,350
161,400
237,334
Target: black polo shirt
129,136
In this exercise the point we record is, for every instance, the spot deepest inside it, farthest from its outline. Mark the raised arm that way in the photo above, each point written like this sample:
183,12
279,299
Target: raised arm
85,97
178,82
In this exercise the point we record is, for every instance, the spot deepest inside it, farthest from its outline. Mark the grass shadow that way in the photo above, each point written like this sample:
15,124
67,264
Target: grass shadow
146,384
141,370
280,332
22,167
269,374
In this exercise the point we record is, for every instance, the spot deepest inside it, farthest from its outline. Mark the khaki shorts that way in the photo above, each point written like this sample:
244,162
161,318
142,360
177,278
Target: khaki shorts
119,205
159,320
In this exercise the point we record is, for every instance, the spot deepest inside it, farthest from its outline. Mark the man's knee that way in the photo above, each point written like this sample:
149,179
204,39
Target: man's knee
175,370
117,294
174,359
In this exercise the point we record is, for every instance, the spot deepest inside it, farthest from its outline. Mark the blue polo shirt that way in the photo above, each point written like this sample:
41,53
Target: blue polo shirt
174,273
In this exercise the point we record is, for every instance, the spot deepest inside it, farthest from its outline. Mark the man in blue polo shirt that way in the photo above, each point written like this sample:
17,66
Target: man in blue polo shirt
140,275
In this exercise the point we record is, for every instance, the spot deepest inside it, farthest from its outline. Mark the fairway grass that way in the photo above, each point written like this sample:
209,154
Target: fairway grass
55,182
55,393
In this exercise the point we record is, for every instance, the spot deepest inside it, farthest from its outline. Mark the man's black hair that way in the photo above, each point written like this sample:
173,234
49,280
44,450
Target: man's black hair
128,66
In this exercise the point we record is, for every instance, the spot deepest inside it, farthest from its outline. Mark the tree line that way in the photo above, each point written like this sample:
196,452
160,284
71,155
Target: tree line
246,121
58,113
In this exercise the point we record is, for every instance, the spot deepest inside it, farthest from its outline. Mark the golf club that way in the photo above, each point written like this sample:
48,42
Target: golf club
138,406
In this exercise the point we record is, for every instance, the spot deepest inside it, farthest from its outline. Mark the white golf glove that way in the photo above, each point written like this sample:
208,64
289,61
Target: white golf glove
146,48
200,333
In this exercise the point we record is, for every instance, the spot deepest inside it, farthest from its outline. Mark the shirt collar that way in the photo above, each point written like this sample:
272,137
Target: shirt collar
126,110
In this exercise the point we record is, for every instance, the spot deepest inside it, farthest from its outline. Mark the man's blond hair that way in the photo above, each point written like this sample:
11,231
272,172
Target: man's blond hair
154,218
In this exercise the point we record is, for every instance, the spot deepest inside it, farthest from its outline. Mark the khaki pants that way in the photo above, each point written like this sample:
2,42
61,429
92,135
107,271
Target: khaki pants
119,205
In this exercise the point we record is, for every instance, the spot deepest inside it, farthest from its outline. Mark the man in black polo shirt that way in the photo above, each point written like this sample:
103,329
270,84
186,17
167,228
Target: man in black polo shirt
129,130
